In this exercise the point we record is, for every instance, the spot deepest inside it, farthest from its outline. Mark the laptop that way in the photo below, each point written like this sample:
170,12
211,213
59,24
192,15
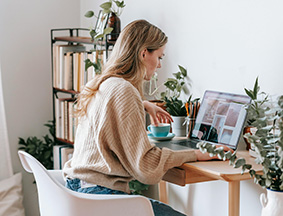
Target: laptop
220,120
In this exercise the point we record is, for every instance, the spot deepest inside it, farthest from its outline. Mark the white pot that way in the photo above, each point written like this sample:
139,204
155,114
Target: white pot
179,128
272,204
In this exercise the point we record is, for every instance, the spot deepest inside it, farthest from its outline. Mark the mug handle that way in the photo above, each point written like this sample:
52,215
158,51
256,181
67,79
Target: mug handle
148,128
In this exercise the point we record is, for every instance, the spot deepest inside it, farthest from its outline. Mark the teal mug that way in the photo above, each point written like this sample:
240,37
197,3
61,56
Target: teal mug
162,130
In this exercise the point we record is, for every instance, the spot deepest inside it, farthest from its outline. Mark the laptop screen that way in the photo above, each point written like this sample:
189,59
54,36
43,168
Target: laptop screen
221,117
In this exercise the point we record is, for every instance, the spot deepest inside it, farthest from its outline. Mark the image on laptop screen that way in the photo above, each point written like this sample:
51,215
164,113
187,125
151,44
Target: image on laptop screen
220,118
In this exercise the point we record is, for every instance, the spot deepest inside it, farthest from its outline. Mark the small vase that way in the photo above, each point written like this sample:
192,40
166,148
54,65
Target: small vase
115,23
179,126
272,204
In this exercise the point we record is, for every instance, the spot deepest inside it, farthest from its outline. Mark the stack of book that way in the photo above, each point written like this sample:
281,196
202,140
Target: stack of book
65,120
69,66
61,154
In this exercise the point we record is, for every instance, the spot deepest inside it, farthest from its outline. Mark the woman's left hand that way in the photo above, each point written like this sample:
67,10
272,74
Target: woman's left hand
156,113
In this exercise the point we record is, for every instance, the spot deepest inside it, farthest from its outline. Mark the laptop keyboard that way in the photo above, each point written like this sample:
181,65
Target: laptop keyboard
189,143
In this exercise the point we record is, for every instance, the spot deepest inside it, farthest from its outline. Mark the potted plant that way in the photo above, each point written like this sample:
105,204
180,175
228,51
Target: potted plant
114,10
268,144
258,100
42,150
174,105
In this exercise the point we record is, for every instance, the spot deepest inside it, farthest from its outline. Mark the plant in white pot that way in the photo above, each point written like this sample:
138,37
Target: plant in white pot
174,105
268,144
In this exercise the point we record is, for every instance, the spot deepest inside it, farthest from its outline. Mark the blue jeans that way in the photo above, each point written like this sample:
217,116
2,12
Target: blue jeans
159,208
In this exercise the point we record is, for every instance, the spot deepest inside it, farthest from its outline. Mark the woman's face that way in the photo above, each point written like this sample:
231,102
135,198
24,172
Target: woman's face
152,61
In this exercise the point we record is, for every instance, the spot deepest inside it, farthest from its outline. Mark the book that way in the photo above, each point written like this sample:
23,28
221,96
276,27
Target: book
71,121
61,154
76,66
58,118
82,72
60,51
68,71
63,120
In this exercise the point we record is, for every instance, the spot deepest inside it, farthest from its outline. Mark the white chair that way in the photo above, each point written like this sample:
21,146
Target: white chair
56,200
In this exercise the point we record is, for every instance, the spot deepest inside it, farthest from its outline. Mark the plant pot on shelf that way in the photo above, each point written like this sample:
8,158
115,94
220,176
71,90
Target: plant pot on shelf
115,23
272,203
179,127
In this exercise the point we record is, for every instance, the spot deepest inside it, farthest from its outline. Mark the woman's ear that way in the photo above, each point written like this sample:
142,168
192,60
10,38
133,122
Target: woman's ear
143,53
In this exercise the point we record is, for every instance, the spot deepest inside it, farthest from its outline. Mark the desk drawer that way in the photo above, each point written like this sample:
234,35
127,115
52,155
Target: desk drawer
175,175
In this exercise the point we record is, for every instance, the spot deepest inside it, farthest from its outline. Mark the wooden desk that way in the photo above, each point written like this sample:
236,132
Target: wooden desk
196,172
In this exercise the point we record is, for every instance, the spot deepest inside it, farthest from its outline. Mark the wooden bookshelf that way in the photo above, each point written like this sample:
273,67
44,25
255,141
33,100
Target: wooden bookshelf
65,91
83,40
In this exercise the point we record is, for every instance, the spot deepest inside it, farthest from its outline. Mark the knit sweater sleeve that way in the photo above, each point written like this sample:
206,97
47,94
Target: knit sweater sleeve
141,159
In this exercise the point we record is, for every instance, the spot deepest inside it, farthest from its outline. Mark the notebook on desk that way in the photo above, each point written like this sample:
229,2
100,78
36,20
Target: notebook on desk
220,120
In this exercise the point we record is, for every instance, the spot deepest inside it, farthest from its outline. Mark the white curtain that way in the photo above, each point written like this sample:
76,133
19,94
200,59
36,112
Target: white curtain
5,156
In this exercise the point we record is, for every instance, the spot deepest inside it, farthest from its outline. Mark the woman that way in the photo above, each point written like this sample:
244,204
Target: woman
111,145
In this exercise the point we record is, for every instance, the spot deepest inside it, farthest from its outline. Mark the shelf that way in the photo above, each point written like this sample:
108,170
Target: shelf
85,40
64,141
65,91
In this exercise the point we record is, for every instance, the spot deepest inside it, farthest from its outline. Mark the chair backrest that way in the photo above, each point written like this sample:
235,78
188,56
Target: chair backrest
57,200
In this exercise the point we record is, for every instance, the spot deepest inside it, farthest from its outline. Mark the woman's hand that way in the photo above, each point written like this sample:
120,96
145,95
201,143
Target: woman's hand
205,156
156,113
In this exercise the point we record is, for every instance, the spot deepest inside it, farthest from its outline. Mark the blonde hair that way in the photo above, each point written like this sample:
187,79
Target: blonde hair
125,60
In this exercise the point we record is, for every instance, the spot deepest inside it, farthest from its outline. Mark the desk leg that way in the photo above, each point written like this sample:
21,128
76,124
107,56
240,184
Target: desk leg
234,198
162,186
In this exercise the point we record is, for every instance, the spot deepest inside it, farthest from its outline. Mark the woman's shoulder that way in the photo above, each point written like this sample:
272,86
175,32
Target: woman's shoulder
119,85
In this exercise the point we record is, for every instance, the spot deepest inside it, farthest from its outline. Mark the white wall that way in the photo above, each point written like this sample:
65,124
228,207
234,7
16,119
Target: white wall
225,45
25,50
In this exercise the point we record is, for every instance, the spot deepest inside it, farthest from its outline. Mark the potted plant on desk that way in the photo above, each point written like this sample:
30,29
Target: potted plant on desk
268,144
254,110
174,105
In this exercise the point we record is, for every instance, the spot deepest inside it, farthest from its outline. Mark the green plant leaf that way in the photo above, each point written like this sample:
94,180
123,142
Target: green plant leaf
120,4
256,89
106,5
240,162
183,70
107,30
250,94
177,75
89,14
137,187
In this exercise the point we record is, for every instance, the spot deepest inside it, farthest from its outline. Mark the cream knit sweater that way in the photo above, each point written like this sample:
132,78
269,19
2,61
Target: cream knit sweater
111,146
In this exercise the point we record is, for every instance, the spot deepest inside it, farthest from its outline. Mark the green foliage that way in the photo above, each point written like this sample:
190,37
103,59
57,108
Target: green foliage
174,87
115,8
97,66
268,142
89,14
255,108
108,7
42,150
137,187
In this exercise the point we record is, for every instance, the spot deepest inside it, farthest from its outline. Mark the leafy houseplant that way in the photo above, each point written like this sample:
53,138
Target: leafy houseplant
174,86
254,110
268,142
41,150
114,8
108,7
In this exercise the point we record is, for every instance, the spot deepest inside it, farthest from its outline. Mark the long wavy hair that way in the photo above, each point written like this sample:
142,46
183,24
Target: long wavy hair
125,60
